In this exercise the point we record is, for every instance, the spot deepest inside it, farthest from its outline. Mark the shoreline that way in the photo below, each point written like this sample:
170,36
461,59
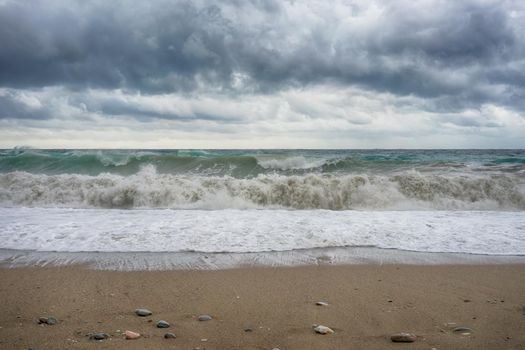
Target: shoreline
152,261
366,304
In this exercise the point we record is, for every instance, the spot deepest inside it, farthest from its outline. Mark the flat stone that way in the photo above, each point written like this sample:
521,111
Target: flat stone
403,337
205,318
170,336
462,330
322,329
321,303
99,336
131,335
163,324
143,312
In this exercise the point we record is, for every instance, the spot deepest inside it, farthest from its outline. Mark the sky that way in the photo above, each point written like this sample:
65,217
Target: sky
262,74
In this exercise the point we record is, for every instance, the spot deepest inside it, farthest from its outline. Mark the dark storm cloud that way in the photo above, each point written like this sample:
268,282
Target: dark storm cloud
457,54
115,107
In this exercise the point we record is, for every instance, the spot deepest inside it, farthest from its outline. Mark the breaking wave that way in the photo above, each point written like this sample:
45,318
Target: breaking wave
147,188
243,164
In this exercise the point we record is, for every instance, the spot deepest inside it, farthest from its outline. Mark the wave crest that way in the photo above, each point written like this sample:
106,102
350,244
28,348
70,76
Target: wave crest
148,189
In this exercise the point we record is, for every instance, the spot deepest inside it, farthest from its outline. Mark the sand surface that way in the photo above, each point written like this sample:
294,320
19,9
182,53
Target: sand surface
366,305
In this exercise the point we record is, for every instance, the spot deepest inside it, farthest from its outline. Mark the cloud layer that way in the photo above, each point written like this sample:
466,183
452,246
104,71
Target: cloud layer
344,74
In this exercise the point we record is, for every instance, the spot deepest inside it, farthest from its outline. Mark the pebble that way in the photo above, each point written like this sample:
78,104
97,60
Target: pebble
403,338
131,335
462,330
322,329
248,329
321,303
170,336
204,318
163,324
99,336
50,320
143,312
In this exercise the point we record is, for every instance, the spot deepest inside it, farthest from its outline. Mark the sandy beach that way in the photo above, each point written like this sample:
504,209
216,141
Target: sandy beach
266,308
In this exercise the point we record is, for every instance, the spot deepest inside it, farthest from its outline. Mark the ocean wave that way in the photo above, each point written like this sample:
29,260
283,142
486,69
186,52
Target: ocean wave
148,189
252,163
289,163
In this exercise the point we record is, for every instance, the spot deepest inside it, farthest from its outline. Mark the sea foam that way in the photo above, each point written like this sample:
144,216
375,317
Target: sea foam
409,190
72,230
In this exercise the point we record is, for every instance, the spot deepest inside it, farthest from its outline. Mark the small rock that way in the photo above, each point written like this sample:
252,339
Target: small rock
467,300
321,303
170,336
204,339
143,312
403,338
322,329
204,318
99,336
51,320
47,320
131,335
462,330
163,324
248,329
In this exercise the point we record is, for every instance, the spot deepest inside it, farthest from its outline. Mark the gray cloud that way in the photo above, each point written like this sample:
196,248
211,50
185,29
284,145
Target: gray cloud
13,106
457,54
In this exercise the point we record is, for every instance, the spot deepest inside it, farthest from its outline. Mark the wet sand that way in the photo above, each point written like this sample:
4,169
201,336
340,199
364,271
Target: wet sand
367,303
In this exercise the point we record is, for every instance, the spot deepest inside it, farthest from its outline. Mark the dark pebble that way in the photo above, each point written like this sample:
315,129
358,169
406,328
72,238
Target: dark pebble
47,320
143,312
163,324
170,336
99,336
403,338
248,329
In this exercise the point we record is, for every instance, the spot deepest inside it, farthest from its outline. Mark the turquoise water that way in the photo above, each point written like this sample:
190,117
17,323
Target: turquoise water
251,163
264,179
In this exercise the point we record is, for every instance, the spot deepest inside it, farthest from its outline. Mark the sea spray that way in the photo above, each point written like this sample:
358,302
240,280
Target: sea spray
147,188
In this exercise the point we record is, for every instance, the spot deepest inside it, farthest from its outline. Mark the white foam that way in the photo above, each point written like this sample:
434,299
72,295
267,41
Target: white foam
70,230
290,163
149,189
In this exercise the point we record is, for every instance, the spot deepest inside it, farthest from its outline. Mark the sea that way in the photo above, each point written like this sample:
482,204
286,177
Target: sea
256,201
